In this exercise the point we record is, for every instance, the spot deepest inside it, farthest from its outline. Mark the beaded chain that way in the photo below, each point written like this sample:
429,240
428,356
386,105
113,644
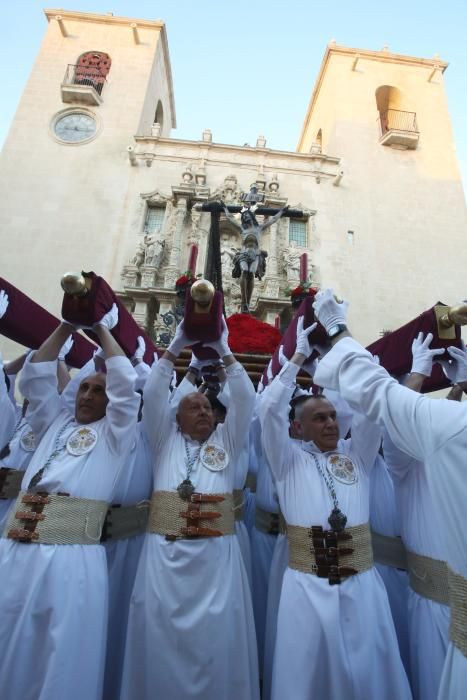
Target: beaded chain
337,518
57,449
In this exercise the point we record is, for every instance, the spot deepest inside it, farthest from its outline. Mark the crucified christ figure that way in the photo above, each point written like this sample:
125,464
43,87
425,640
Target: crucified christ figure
250,261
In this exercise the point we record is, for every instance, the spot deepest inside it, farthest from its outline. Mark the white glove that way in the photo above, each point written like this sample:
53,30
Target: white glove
269,373
197,365
423,357
3,302
302,344
65,349
281,356
221,346
140,350
110,319
459,355
179,341
328,311
260,387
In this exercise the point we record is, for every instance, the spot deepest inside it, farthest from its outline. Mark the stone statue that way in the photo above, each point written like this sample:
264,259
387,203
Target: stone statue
154,251
291,259
250,261
228,253
139,256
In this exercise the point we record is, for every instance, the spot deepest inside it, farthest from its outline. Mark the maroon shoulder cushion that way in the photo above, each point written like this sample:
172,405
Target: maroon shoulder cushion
29,324
88,309
395,349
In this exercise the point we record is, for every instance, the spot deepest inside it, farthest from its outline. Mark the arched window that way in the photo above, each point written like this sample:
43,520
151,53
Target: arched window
393,112
92,68
319,138
159,116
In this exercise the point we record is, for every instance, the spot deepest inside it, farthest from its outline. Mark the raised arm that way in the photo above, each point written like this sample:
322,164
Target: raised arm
416,424
38,382
272,219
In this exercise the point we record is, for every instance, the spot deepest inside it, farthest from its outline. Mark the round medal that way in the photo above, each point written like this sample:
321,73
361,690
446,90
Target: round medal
214,457
343,469
28,441
81,440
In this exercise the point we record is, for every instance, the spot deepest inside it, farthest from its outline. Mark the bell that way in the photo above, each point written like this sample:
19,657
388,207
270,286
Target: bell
74,283
202,292
455,315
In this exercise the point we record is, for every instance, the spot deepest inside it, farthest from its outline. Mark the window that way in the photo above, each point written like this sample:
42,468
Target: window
298,232
350,235
159,115
154,219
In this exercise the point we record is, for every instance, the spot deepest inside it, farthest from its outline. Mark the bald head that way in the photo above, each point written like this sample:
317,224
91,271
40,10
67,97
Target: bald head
316,420
195,416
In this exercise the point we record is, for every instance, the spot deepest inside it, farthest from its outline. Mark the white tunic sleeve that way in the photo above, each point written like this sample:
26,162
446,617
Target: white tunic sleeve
156,412
416,424
242,400
38,384
122,409
274,417
398,462
7,413
365,440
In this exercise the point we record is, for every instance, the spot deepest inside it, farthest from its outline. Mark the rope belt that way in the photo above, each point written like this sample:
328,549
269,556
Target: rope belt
51,518
122,522
268,522
251,482
10,483
329,554
389,551
239,502
428,577
204,515
458,601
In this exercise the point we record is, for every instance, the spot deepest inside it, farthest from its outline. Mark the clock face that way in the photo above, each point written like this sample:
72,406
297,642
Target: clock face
75,127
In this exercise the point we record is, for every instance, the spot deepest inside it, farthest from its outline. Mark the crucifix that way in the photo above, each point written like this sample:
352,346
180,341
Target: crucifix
250,262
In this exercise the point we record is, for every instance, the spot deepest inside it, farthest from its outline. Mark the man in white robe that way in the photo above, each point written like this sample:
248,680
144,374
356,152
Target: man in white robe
433,432
53,607
335,634
190,628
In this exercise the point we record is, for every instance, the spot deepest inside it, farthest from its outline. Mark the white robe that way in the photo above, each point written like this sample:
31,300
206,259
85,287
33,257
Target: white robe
433,431
53,608
262,549
422,533
18,458
7,411
190,628
279,563
384,519
133,487
241,471
332,641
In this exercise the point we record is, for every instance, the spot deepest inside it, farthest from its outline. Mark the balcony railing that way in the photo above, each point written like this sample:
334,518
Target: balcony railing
83,84
398,128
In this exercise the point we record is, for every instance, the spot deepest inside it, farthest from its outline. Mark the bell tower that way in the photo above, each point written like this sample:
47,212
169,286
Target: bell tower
98,81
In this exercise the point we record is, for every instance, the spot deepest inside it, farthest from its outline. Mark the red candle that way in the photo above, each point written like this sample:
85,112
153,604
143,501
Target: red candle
192,259
303,267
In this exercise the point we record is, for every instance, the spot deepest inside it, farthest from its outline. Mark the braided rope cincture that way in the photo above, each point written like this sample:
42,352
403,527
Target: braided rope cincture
458,601
428,577
167,509
303,557
50,518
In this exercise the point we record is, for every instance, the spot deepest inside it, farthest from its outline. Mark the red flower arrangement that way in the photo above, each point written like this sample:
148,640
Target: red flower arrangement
298,294
247,334
186,279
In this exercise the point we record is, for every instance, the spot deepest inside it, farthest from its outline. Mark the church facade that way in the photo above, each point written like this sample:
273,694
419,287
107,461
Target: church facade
94,181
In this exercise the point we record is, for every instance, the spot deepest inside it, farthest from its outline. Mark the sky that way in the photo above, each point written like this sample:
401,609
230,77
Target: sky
246,68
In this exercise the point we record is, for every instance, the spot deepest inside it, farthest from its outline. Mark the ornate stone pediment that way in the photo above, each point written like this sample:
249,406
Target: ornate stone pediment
156,197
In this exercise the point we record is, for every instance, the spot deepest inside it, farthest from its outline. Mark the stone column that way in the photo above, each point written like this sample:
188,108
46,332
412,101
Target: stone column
173,267
272,276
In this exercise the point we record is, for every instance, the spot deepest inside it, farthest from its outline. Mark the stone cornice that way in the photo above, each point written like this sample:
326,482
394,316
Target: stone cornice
103,19
213,153
362,55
